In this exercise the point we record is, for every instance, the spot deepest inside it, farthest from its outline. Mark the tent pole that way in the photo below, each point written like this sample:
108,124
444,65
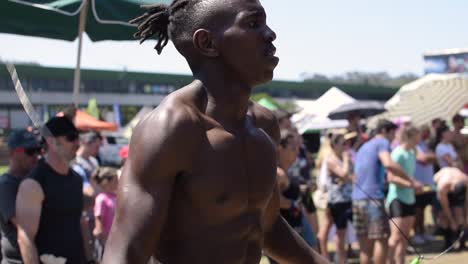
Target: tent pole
77,77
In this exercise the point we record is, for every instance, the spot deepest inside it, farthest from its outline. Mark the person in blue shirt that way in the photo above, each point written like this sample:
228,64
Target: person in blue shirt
369,219
425,160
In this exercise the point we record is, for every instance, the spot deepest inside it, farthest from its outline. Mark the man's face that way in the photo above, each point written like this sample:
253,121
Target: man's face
245,44
390,135
290,151
25,158
458,124
66,146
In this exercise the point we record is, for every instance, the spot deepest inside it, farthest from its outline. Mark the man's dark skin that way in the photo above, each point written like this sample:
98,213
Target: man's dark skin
199,185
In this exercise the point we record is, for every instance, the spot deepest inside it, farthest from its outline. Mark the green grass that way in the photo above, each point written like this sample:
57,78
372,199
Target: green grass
3,169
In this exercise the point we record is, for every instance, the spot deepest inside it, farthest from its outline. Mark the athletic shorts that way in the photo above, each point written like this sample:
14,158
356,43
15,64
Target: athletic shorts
341,214
370,219
457,197
425,199
400,209
308,202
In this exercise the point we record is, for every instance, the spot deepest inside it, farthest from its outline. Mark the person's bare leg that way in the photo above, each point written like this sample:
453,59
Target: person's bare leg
322,236
393,241
366,248
340,246
405,224
380,251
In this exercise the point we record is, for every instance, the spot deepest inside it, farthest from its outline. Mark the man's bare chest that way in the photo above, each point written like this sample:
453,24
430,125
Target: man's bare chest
233,169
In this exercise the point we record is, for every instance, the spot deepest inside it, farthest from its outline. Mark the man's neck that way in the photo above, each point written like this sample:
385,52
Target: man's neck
226,99
380,136
57,163
16,172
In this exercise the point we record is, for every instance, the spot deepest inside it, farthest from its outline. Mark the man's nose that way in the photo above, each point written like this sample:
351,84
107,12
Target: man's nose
270,35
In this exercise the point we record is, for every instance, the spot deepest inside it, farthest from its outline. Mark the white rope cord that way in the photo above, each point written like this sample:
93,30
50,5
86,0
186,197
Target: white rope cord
28,107
46,7
103,21
76,12
24,99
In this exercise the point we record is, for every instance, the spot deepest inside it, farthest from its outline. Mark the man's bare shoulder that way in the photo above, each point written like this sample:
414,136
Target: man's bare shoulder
173,128
265,119
175,114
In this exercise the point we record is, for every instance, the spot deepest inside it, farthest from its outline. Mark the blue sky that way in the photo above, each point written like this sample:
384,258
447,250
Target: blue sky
329,37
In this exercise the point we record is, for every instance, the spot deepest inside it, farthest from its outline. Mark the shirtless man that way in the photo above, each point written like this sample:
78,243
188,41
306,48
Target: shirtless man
452,193
199,185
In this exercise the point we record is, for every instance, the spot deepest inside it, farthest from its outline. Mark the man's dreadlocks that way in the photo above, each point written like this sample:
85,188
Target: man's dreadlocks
166,22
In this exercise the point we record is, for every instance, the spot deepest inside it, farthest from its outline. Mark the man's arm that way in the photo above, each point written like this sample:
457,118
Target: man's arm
28,214
281,242
401,182
392,166
160,149
425,158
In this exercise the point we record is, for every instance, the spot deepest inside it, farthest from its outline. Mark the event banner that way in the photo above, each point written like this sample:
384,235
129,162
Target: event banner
446,63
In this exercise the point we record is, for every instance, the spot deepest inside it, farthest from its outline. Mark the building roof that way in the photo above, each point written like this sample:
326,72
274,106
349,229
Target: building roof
298,89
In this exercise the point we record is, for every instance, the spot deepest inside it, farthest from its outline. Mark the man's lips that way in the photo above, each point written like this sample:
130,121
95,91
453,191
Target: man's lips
271,51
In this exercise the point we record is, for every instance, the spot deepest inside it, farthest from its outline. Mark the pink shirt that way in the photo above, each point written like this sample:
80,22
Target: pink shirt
104,207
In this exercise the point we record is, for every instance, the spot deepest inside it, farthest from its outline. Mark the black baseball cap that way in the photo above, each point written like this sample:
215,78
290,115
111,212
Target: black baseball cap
22,139
59,126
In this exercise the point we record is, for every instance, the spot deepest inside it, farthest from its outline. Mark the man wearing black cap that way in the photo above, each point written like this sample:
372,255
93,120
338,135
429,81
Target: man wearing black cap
50,201
24,149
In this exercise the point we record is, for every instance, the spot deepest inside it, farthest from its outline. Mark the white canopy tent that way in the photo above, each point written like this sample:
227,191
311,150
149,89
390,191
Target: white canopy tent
313,115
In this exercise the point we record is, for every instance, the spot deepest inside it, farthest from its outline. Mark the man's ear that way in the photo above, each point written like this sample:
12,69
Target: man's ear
205,43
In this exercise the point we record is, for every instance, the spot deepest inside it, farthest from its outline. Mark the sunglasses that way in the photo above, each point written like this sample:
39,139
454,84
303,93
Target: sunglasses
29,151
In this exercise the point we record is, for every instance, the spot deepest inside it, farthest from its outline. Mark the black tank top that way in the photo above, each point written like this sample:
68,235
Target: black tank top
59,230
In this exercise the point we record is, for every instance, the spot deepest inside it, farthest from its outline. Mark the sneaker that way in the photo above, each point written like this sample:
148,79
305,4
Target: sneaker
428,238
419,240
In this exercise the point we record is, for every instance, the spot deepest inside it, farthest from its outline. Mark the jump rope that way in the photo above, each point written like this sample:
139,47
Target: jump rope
32,114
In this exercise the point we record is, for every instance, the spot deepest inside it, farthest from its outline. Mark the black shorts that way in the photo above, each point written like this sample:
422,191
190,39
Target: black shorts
308,202
400,209
341,214
425,199
457,197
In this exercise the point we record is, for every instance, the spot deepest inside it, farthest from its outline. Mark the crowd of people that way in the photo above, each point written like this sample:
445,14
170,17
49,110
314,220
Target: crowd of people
56,190
56,202
381,182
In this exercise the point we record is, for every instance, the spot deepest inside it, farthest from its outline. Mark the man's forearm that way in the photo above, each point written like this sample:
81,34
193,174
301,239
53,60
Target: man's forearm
400,181
396,170
284,245
28,249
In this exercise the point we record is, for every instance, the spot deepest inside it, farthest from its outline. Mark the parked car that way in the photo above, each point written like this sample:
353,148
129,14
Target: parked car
109,151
